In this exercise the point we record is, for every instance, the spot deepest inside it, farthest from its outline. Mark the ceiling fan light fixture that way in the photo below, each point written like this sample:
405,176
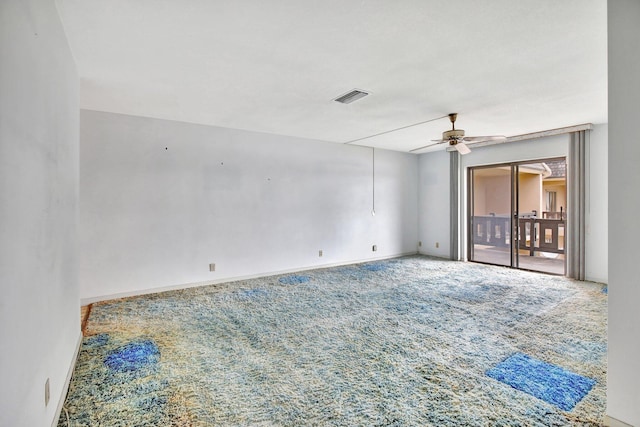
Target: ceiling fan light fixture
462,148
453,134
456,139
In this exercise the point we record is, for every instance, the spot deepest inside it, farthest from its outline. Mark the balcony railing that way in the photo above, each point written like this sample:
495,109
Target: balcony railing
534,234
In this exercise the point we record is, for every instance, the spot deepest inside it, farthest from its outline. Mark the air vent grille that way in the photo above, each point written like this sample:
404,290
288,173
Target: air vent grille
351,96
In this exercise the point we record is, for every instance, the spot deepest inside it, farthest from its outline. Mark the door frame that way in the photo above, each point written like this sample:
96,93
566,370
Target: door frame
514,214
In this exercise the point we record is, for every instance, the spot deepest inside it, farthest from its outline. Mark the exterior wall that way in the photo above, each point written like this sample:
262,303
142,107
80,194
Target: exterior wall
39,308
560,187
492,195
530,193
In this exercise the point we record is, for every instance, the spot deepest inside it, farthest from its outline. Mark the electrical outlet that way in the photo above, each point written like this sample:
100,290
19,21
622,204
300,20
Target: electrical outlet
212,267
47,392
320,252
374,248
437,244
420,244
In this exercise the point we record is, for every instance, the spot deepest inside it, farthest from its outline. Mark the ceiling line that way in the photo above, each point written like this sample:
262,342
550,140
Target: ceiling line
394,130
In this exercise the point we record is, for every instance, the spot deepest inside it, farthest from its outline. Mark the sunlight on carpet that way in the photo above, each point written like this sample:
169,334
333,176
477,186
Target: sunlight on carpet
413,341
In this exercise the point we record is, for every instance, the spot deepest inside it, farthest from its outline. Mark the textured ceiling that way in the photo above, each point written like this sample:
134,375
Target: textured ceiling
507,67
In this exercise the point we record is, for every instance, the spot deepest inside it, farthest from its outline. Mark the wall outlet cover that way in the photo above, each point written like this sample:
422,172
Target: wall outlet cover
212,267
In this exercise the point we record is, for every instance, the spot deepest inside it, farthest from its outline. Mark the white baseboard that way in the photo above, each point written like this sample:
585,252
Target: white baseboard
91,300
612,422
65,388
439,256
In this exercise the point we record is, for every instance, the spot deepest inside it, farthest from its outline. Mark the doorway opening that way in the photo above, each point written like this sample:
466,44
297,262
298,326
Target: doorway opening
517,215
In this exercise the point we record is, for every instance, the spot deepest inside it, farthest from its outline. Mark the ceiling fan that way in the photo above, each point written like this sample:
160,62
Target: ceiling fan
456,139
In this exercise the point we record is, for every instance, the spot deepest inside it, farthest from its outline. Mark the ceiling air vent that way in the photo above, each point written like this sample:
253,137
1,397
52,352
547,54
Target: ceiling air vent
351,96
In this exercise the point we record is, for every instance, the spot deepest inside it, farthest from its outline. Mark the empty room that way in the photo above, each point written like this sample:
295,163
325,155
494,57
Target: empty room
342,213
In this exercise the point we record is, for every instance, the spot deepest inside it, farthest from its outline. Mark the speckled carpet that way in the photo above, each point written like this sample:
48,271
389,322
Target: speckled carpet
413,341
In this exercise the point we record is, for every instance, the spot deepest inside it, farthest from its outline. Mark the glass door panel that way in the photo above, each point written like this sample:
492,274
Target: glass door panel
541,209
491,215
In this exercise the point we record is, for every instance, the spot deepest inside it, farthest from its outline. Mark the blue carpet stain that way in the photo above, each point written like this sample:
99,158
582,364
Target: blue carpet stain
375,267
547,382
605,290
294,279
133,356
251,293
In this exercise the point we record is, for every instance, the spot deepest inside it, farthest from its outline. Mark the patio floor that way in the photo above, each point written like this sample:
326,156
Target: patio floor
500,256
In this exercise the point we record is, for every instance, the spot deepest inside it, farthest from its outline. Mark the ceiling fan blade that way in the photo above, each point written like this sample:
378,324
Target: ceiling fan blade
474,139
427,146
462,148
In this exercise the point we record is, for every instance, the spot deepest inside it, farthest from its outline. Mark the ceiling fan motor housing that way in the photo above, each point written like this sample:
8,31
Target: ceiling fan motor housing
453,136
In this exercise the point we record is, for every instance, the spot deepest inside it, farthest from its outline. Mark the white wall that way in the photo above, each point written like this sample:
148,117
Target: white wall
160,200
623,380
39,308
433,199
434,192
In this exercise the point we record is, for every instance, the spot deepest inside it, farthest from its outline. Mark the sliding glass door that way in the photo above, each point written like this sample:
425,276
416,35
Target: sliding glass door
517,215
